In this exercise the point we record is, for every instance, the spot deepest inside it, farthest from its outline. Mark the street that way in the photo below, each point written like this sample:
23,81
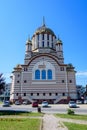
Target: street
53,108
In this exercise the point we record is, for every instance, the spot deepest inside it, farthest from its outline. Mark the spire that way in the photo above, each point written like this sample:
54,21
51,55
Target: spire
43,24
28,37
58,37
59,41
28,40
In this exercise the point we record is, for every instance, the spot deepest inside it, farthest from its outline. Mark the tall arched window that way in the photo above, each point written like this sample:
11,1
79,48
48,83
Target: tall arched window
43,44
43,74
43,37
38,37
48,44
49,74
47,36
52,44
37,74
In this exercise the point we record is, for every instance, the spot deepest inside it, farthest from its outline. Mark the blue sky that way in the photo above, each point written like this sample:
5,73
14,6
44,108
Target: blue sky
20,18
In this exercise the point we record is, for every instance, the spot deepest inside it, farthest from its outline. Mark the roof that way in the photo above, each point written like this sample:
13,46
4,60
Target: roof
59,41
44,29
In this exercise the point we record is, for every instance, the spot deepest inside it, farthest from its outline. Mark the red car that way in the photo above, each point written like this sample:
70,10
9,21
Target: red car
35,104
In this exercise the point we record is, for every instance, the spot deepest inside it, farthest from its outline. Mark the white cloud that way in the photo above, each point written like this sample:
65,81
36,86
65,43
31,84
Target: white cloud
81,78
82,73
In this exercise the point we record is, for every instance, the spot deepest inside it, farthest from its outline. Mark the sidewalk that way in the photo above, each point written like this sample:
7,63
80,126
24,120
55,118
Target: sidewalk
50,122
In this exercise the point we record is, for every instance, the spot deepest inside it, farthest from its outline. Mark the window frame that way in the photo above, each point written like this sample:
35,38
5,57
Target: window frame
37,74
43,74
49,74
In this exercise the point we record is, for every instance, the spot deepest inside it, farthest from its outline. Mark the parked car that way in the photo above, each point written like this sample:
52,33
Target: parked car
35,104
44,104
25,102
17,103
85,101
79,102
6,104
72,104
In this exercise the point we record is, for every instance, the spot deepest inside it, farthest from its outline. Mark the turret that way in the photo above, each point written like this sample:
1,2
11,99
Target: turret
59,50
28,50
28,46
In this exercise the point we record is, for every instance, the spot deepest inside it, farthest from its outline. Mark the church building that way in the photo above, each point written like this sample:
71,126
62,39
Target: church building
44,75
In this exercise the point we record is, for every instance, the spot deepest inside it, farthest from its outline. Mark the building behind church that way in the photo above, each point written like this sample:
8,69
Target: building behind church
44,75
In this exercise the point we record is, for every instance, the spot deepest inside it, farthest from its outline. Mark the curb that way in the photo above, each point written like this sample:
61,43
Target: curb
41,125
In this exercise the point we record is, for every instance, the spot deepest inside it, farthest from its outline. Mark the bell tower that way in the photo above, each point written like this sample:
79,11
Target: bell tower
28,50
59,50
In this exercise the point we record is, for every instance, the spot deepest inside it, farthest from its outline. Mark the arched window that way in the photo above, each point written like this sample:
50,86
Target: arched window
38,37
47,36
37,74
48,44
49,74
43,44
52,44
43,37
43,74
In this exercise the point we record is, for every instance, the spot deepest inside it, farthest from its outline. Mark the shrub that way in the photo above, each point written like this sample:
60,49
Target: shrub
70,112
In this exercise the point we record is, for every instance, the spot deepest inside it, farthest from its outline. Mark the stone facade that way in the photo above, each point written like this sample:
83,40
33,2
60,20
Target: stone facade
43,76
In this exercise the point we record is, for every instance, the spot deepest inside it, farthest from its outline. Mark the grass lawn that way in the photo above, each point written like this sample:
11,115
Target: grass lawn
73,126
19,113
1,102
19,124
75,116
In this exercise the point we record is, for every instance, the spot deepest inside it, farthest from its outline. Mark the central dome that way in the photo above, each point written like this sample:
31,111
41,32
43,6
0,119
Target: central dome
43,38
44,29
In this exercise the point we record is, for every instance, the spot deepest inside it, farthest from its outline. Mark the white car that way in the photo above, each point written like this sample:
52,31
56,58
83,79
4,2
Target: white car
79,102
25,102
44,104
17,103
85,101
72,104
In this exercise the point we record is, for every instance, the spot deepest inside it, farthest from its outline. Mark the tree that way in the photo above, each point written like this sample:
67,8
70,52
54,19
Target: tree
2,83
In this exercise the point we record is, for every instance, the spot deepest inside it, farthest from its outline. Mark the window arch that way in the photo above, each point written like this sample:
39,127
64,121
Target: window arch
49,74
37,74
43,74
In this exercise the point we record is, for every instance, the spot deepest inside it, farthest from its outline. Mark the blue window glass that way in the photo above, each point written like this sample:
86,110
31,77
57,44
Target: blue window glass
47,36
43,44
47,44
43,37
38,37
37,74
49,74
43,74
52,44
38,44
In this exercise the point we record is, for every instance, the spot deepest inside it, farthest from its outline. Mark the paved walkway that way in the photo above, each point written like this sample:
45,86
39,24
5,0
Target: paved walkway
50,122
73,121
